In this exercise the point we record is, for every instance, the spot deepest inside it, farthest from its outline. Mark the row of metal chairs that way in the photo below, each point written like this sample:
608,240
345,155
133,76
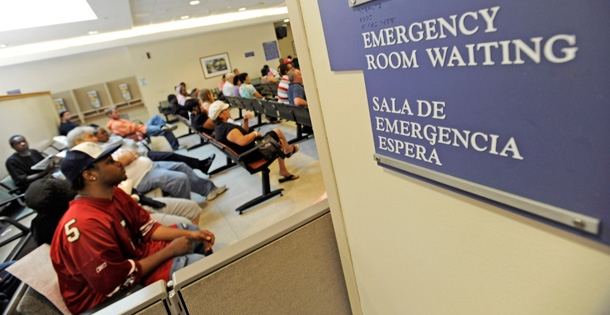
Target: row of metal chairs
298,114
234,159
268,90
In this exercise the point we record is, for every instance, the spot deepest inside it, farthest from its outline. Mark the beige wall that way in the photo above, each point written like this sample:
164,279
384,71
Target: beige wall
177,60
285,44
172,61
415,248
65,73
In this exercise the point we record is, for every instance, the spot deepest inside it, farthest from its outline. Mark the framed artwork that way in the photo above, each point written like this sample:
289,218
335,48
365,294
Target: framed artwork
215,65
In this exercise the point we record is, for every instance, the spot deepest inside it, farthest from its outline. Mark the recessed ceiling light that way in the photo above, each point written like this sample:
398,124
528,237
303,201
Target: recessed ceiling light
29,14
194,2
242,9
184,17
92,32
286,20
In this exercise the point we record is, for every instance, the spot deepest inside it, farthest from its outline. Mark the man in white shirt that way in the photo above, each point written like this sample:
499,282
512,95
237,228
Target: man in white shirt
229,89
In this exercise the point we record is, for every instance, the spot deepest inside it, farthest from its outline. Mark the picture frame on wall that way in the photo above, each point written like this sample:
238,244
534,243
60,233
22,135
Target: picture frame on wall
215,65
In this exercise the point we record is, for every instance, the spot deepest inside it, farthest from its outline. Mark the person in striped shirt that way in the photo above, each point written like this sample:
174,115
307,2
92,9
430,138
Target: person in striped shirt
282,88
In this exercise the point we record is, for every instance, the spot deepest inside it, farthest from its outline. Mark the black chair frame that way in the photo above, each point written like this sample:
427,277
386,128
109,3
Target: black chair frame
262,166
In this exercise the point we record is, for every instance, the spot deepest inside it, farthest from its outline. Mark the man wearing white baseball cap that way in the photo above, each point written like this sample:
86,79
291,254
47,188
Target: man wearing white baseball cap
106,242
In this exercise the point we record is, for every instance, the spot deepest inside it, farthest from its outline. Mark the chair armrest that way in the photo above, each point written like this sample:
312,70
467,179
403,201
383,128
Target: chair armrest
18,225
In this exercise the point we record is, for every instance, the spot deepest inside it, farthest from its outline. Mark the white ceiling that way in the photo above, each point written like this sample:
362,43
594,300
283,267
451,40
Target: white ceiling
119,15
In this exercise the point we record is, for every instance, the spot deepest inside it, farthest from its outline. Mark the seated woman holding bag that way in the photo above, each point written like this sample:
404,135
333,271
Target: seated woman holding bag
240,140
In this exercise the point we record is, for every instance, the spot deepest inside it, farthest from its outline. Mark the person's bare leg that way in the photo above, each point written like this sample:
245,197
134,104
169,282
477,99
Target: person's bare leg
287,148
196,220
283,169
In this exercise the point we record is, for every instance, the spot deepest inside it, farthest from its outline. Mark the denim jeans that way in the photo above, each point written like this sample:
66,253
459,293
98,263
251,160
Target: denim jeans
176,179
180,262
153,128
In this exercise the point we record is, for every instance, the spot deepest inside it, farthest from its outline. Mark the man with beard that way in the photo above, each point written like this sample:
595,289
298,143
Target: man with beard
106,242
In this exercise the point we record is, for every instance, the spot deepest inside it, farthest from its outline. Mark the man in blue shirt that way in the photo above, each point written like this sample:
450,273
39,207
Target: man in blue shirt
296,91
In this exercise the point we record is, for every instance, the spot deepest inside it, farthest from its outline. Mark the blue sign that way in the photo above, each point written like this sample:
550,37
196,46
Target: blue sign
507,101
271,50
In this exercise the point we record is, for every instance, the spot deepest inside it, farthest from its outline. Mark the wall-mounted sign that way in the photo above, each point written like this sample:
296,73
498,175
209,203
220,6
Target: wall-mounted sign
94,99
507,101
271,50
125,93
249,54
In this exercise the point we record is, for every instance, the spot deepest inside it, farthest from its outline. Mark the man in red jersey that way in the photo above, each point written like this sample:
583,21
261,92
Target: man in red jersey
106,242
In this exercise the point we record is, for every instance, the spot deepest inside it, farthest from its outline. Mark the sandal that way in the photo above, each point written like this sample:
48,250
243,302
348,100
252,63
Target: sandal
288,178
295,149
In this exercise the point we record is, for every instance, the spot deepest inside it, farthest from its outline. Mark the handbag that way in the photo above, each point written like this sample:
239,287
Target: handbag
269,148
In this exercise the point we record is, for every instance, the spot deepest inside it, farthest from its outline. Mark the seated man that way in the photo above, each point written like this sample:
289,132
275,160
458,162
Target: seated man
66,125
228,89
156,126
51,197
19,165
296,91
175,178
105,242
105,140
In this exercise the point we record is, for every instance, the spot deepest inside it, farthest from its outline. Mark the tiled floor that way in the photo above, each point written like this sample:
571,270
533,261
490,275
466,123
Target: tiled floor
219,215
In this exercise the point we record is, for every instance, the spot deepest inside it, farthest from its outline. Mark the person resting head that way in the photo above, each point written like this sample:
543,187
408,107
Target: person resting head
240,140
81,134
199,117
50,198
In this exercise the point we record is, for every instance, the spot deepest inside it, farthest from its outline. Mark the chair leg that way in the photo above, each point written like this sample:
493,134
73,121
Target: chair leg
267,193
229,165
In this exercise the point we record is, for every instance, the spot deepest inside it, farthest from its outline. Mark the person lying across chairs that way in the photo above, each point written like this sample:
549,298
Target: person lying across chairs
105,140
240,140
175,178
106,242
156,126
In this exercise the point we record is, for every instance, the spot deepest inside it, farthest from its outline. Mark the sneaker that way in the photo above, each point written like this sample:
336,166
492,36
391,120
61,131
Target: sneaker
169,127
204,165
217,191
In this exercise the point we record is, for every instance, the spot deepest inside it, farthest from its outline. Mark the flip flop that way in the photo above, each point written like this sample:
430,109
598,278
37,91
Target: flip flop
295,149
288,178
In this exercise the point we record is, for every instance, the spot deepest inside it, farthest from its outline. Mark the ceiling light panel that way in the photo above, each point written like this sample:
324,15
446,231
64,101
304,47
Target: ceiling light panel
16,15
